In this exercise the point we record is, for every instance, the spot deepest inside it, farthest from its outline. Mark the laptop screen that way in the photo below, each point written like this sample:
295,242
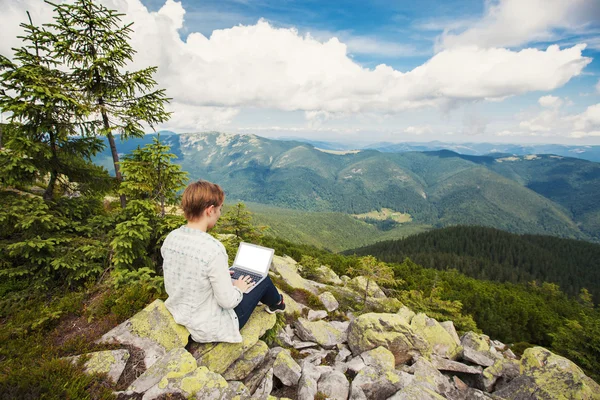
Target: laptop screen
253,258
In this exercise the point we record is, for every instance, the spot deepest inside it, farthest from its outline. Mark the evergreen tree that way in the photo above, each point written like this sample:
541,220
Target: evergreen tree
94,43
149,174
238,221
47,136
373,270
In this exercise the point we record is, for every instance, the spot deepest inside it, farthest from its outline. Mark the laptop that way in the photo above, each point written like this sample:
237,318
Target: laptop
252,260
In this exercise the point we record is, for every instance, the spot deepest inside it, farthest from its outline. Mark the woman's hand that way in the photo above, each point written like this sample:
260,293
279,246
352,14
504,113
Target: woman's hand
243,283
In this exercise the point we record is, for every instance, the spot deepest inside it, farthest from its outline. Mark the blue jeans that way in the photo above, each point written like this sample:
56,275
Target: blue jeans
265,292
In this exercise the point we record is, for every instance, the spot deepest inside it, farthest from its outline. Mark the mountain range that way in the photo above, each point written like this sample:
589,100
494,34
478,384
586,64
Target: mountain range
542,194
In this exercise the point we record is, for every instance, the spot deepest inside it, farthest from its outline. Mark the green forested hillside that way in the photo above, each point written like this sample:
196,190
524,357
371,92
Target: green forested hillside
526,194
328,230
486,253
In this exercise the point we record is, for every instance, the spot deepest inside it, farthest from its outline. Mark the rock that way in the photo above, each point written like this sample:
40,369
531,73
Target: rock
360,283
509,354
284,337
343,354
442,364
265,387
326,275
406,313
224,354
321,332
416,391
236,391
379,357
341,326
502,371
388,330
356,364
249,360
345,279
286,369
153,330
292,307
426,375
316,315
307,385
314,356
200,383
287,269
176,362
334,385
549,376
329,301
442,342
373,383
303,345
482,358
475,341
109,362
499,346
449,327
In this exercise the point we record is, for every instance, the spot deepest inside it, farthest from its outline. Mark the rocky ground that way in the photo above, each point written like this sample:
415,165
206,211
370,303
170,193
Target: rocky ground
319,354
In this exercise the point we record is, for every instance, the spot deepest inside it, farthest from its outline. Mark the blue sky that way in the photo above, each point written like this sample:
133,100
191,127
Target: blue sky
457,70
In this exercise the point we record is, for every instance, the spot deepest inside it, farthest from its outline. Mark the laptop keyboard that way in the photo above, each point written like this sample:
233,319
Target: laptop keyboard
238,273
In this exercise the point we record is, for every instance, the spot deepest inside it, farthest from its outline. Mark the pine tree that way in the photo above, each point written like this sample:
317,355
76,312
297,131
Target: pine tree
373,270
238,221
94,43
149,174
47,135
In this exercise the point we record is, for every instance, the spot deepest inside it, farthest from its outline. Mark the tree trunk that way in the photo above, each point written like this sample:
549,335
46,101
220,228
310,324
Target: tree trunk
49,192
113,150
366,293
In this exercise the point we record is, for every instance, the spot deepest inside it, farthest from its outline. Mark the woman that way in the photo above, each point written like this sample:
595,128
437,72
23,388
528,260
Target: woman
202,295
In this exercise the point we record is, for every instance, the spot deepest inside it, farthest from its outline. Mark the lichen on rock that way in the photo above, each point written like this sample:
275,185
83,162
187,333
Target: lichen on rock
441,341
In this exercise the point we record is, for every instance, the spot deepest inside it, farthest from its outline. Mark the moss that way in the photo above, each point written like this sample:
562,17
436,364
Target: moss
171,334
443,344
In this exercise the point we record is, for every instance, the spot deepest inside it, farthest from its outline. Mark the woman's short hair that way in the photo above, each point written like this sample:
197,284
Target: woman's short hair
198,196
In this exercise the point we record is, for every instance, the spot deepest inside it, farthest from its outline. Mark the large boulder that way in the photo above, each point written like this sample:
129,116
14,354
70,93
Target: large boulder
109,362
391,331
200,384
321,332
326,275
375,383
379,357
427,376
359,283
476,341
549,376
287,269
442,343
286,368
176,362
152,330
501,372
242,367
416,391
329,301
221,356
334,385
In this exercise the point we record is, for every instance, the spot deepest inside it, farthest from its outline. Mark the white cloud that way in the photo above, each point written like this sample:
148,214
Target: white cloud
550,101
418,130
598,86
259,66
510,23
553,122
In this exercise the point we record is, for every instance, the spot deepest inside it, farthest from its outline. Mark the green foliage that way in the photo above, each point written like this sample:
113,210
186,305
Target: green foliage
49,136
91,40
309,267
271,334
373,270
49,243
487,253
579,341
238,221
150,174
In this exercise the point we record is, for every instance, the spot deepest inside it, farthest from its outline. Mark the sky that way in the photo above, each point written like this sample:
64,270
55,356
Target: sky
505,71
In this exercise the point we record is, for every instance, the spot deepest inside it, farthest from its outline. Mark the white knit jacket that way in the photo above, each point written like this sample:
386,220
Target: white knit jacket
197,280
